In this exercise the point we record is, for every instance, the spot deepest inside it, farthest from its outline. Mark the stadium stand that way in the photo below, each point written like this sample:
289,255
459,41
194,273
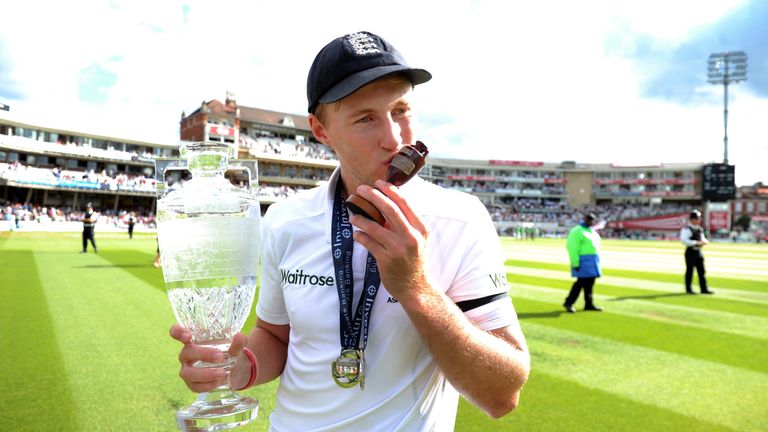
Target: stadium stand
43,168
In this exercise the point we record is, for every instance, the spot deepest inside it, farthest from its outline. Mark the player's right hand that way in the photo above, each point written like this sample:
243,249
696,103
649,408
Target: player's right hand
200,379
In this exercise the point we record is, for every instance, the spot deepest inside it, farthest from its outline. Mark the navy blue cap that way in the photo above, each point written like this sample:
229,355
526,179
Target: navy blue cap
695,214
352,61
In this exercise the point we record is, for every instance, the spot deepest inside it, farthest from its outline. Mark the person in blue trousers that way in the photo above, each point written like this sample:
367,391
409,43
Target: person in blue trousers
584,252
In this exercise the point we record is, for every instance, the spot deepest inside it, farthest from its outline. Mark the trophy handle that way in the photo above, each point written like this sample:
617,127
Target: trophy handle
162,166
251,168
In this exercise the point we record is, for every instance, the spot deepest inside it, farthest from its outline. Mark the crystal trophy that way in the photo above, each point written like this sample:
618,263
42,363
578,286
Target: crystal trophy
406,164
208,234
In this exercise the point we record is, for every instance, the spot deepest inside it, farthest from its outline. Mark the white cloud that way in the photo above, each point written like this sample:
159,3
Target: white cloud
670,21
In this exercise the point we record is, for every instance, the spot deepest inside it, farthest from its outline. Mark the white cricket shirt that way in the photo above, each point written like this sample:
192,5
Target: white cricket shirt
404,389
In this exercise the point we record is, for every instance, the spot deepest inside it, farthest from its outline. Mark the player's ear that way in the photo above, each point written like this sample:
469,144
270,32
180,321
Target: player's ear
319,130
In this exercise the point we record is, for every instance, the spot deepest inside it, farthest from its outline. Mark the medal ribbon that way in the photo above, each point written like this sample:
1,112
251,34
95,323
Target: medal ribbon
353,330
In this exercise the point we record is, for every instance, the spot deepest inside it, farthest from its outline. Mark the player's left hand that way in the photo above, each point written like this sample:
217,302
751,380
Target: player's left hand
399,244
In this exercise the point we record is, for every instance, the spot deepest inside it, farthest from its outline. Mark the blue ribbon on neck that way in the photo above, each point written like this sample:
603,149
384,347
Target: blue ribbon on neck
353,330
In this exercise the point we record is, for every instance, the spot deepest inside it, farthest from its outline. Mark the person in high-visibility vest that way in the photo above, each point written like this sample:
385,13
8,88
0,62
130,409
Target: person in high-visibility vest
584,252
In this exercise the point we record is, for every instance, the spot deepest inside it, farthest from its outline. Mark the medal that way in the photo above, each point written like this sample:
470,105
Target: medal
349,369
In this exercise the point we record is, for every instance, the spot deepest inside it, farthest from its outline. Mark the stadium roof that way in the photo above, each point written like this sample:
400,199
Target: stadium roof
258,115
561,166
255,115
24,125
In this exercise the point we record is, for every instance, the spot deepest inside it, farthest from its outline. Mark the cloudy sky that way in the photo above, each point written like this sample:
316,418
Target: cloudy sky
593,81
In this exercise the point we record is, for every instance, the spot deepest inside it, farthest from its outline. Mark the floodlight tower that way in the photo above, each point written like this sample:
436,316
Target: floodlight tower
725,68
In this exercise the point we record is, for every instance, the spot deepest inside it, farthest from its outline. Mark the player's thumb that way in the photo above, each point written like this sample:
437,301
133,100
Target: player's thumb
238,343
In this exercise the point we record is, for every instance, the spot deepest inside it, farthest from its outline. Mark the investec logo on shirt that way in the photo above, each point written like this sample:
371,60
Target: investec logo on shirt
298,277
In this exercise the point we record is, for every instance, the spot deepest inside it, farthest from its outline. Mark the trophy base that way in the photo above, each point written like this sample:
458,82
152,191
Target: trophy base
207,414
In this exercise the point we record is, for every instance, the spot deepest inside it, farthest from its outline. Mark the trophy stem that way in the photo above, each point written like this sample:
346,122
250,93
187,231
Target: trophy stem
218,409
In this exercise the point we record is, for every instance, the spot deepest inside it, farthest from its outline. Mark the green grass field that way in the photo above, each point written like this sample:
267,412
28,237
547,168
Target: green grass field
85,346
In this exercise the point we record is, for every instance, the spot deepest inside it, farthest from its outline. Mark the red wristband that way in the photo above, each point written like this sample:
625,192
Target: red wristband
254,368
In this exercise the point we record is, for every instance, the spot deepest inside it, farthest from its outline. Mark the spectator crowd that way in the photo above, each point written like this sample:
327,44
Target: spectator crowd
17,215
76,179
286,147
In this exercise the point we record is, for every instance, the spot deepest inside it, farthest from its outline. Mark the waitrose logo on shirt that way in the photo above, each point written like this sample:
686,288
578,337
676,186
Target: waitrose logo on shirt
298,277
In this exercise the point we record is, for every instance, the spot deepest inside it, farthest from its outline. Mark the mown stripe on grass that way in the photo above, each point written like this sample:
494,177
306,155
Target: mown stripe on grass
670,381
126,317
728,349
138,264
620,293
549,403
715,250
697,319
724,261
113,333
750,249
644,262
722,293
646,245
676,265
675,278
36,391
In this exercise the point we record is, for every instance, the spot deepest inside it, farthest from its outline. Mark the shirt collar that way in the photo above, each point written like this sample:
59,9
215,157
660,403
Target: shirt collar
331,190
328,212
